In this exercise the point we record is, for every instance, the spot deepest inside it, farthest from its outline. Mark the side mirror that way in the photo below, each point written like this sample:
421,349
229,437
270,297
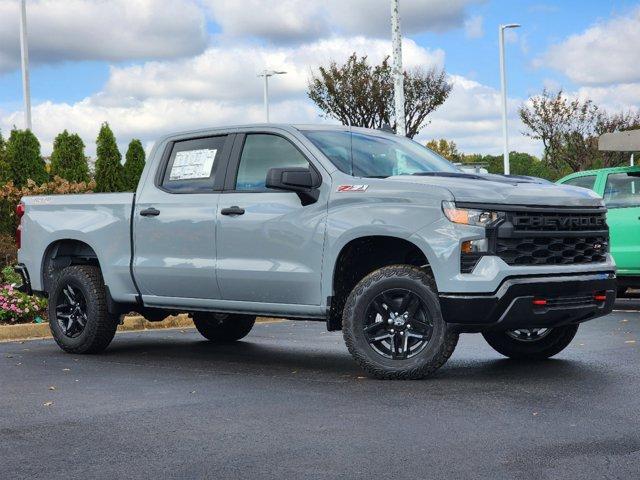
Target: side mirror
303,181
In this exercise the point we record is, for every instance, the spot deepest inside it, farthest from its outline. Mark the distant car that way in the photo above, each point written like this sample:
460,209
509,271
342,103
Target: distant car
620,188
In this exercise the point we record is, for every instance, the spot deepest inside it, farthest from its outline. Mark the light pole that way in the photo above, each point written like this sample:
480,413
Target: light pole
398,76
266,74
24,52
503,82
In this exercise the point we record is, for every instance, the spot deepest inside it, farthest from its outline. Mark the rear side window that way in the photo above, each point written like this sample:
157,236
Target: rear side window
193,164
587,181
262,152
622,190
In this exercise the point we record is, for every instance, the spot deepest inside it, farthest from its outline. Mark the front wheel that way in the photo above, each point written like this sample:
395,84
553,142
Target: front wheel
531,343
223,327
393,327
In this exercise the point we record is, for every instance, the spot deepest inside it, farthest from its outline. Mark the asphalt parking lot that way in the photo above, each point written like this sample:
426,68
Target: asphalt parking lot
288,402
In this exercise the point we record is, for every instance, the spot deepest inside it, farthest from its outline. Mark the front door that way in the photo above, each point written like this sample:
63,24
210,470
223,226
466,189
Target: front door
622,197
269,244
175,223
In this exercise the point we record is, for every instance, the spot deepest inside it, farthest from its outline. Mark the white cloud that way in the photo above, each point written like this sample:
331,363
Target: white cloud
220,87
471,117
605,53
295,20
230,74
113,30
473,27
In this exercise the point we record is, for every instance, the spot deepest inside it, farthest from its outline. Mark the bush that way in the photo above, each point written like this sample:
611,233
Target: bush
7,275
109,170
134,165
23,158
17,307
8,250
10,195
67,159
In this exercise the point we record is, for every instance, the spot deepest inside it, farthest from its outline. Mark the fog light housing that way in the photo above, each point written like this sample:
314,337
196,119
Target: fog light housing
475,246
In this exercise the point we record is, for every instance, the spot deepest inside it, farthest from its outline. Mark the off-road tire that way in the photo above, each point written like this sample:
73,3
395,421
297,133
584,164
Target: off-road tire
551,344
440,346
100,326
223,327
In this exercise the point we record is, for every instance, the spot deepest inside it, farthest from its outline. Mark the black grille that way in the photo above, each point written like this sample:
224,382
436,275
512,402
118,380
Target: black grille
556,221
546,238
551,250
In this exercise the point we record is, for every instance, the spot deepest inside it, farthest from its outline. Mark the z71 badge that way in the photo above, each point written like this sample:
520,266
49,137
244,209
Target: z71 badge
352,188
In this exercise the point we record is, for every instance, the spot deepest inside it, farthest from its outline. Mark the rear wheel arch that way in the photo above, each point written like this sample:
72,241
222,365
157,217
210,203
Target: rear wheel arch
63,253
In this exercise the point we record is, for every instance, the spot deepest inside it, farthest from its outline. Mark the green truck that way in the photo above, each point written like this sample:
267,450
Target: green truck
620,188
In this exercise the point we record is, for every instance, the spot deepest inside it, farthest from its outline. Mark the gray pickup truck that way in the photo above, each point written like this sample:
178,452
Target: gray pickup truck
369,232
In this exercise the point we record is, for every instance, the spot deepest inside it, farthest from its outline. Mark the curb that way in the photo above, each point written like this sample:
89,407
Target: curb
29,331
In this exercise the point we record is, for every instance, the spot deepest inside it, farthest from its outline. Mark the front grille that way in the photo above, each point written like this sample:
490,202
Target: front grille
546,237
556,221
551,250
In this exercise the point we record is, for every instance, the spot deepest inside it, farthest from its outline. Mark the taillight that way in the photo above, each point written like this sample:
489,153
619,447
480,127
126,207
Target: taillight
20,209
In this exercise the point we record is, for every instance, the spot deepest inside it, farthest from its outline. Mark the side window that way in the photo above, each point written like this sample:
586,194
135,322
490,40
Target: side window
193,164
586,181
262,152
622,190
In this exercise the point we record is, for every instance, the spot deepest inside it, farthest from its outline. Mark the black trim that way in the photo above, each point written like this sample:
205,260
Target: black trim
220,164
21,270
132,248
570,300
231,174
500,207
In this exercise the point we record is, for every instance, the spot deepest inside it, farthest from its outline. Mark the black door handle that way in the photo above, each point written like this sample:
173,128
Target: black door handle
150,212
235,210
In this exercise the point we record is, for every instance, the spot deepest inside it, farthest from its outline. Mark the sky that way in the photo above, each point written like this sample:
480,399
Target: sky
151,67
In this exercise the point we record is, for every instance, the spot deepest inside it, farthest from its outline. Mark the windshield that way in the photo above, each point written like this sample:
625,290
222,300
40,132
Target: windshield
363,155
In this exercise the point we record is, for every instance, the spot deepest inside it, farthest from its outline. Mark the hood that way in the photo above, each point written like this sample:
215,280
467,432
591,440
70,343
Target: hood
509,190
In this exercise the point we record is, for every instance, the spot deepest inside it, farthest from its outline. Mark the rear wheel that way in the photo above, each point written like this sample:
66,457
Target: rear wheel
393,327
622,291
78,315
531,343
223,327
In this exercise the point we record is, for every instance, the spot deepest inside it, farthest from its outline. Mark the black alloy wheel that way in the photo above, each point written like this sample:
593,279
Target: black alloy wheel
71,311
397,324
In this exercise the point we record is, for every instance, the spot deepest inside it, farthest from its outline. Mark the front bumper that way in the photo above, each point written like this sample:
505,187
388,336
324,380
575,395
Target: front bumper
570,299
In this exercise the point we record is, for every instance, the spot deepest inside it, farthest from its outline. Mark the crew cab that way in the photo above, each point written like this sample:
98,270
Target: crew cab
367,231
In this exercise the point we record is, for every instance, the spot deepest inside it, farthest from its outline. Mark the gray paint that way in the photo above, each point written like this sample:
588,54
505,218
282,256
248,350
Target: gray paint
279,257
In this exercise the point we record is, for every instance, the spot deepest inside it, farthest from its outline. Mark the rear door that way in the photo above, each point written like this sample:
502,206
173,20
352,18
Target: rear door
175,222
269,244
622,196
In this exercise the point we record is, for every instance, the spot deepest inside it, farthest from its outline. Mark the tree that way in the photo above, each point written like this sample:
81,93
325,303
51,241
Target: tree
67,159
5,174
448,149
133,165
359,94
109,170
520,163
569,130
24,159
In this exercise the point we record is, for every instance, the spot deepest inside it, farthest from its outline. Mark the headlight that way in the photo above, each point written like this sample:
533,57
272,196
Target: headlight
471,216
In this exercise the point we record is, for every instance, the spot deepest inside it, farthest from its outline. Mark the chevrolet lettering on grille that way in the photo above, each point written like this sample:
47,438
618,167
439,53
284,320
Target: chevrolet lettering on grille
559,222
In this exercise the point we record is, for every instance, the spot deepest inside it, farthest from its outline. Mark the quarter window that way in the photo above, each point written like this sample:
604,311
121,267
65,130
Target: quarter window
586,181
622,190
262,152
193,164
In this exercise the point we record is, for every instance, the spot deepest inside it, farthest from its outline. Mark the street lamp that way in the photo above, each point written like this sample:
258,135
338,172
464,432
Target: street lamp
24,53
266,74
503,81
398,76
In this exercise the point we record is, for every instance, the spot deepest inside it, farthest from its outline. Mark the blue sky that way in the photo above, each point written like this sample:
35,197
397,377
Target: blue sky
190,63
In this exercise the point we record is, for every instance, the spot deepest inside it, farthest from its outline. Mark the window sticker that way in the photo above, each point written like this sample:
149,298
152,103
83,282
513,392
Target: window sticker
193,164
